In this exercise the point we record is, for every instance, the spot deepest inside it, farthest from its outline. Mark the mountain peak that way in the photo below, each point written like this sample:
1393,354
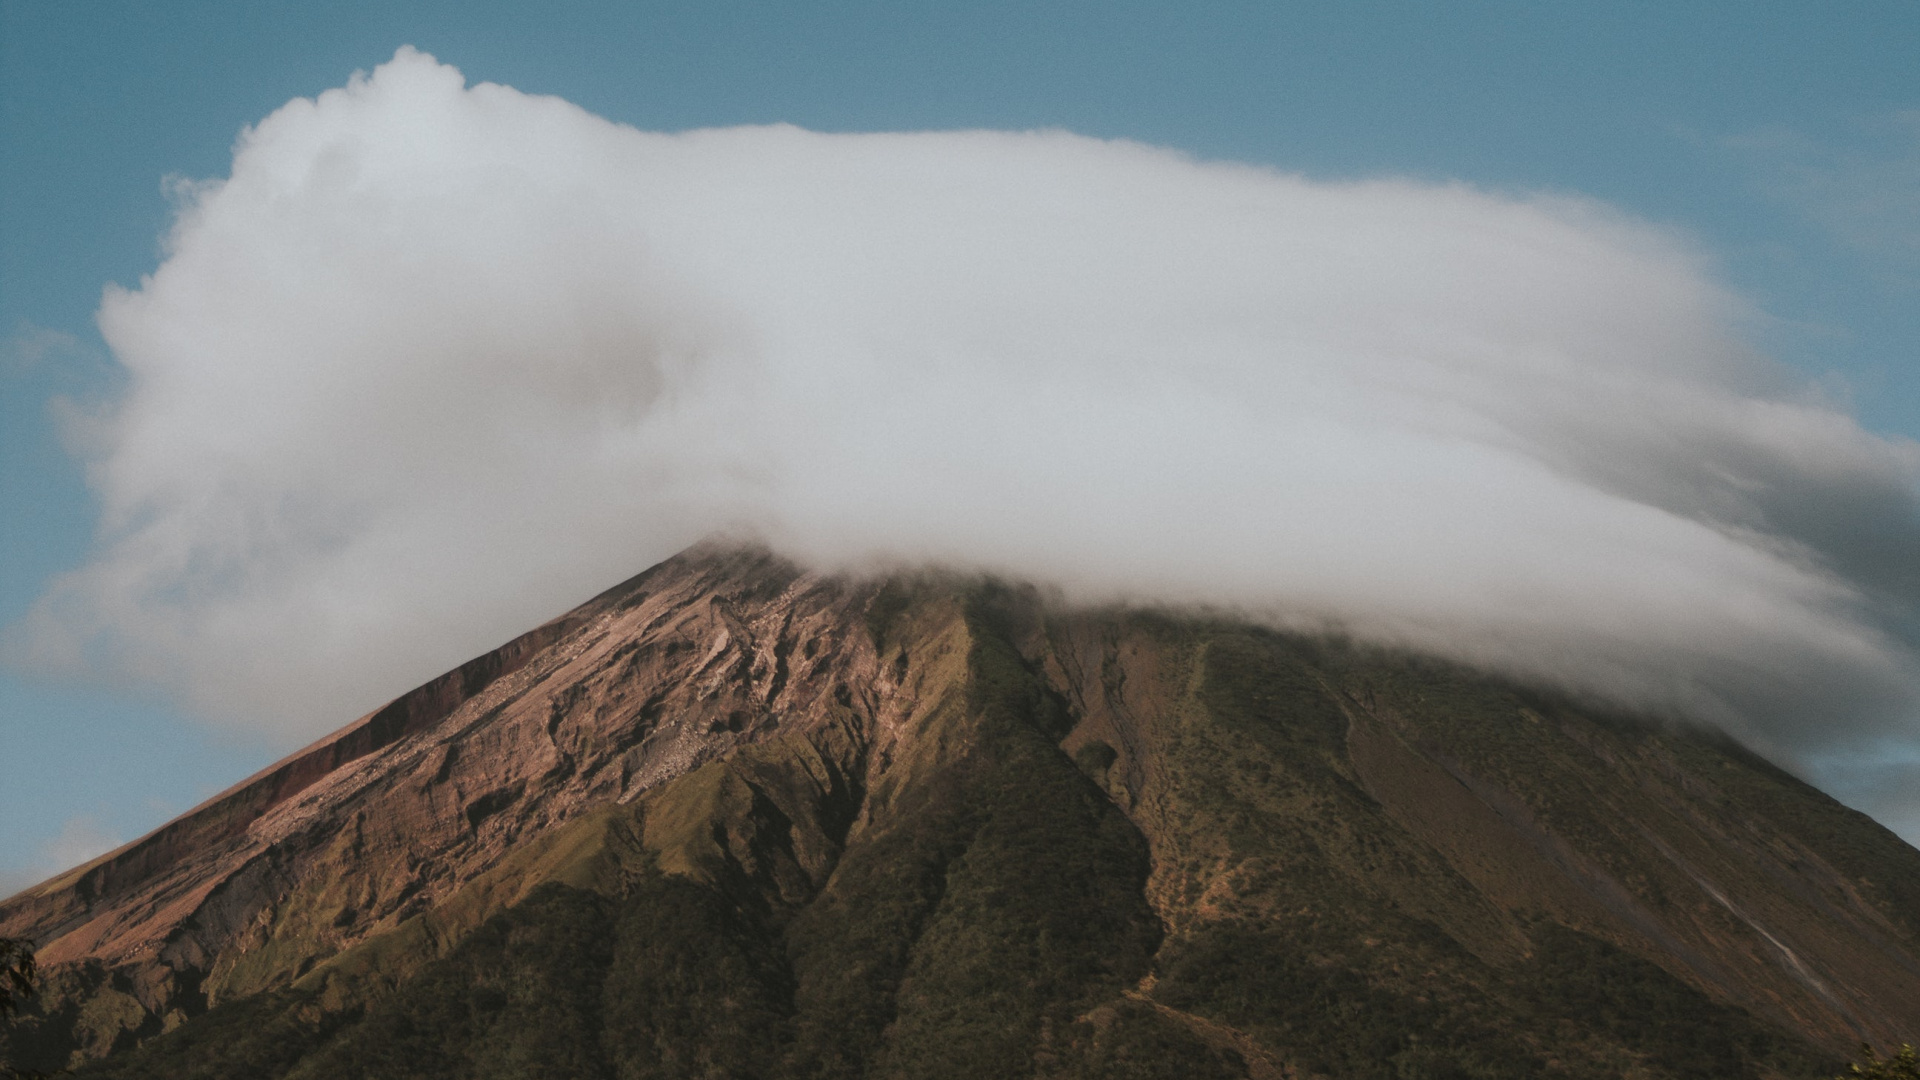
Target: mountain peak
927,824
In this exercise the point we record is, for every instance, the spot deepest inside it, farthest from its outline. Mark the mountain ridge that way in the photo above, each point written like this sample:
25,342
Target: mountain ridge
851,770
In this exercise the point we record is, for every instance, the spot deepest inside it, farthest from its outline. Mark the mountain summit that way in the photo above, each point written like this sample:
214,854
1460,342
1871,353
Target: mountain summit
735,819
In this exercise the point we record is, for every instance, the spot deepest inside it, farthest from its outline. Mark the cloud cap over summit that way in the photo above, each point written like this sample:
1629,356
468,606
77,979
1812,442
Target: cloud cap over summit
437,361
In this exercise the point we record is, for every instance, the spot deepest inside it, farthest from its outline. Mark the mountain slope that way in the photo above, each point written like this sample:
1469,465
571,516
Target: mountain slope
733,819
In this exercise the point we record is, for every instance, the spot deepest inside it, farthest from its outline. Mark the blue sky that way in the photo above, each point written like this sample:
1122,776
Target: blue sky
1784,139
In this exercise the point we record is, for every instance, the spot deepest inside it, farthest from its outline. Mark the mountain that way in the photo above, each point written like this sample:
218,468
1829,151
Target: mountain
735,819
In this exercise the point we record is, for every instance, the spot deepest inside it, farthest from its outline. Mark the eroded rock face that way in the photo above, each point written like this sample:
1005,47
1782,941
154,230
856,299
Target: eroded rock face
928,826
393,814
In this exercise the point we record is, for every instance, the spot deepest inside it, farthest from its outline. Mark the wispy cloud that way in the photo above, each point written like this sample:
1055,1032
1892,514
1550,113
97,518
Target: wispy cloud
1862,186
80,839
30,346
436,362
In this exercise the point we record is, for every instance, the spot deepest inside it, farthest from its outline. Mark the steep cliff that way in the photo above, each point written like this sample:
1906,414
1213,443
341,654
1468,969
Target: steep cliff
735,819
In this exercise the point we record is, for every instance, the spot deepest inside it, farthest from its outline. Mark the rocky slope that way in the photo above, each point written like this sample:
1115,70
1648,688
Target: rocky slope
733,819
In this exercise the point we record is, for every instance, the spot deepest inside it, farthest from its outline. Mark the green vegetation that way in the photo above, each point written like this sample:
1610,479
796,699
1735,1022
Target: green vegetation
1291,986
662,982
1903,1065
1581,980
1130,1040
1040,915
16,973
1335,936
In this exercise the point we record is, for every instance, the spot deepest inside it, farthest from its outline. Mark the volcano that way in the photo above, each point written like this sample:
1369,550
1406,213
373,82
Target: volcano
734,818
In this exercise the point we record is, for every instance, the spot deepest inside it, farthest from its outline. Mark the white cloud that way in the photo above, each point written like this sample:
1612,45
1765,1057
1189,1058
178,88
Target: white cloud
1862,187
436,362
